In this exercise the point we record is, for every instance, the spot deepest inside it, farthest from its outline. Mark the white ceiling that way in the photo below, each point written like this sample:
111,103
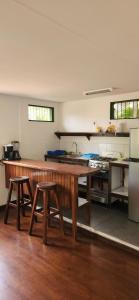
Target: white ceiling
56,49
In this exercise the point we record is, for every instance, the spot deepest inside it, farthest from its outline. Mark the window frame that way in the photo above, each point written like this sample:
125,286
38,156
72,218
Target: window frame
123,101
42,106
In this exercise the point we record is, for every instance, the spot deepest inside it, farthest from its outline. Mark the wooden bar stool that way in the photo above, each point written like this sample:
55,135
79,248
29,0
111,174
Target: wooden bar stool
46,188
21,202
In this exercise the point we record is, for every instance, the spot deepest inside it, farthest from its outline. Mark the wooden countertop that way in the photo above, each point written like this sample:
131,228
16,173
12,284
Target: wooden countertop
67,157
120,163
72,159
53,166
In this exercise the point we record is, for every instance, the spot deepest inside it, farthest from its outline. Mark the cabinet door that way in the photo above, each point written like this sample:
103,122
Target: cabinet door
133,200
116,177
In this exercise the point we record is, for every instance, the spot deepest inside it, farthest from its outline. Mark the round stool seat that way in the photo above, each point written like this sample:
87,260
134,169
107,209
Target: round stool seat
46,185
19,179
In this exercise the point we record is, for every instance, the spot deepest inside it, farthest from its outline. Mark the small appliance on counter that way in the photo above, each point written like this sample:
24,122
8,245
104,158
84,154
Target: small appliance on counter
7,152
11,151
16,155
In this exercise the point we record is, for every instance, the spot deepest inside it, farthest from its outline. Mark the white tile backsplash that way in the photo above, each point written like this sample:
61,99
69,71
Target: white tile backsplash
96,144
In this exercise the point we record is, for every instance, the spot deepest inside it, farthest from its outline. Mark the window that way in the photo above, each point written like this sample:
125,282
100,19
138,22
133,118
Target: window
40,113
128,109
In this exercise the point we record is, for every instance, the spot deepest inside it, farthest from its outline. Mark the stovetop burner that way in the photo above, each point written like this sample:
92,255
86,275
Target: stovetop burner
101,162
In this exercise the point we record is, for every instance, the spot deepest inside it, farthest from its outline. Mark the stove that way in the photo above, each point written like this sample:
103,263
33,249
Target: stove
101,162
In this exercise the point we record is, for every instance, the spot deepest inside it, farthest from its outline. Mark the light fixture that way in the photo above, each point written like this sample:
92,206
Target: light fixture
96,92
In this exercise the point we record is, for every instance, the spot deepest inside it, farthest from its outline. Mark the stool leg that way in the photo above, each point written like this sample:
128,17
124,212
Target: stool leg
33,210
8,201
30,196
30,192
48,210
59,208
18,208
22,200
45,216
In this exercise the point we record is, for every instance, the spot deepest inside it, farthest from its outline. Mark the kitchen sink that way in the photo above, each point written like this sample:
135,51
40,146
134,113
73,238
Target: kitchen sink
73,156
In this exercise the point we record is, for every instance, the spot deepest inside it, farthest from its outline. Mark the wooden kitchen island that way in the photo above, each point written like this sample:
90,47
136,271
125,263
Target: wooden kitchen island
65,175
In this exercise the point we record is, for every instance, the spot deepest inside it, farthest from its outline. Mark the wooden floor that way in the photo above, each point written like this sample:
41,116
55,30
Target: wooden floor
88,270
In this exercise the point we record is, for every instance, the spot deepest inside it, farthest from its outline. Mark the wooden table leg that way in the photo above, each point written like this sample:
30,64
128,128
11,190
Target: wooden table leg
74,201
89,185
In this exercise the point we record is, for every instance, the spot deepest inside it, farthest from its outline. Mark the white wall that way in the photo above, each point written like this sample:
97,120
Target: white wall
35,137
80,116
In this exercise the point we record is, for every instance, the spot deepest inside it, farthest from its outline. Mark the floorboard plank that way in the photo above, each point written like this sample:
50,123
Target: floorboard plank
63,270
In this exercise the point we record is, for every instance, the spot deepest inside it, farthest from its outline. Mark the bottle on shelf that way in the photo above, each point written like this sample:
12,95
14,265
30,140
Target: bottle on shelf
111,129
94,126
97,129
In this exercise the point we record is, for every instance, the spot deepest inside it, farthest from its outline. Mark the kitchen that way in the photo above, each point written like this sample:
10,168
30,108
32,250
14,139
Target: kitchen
111,222
75,61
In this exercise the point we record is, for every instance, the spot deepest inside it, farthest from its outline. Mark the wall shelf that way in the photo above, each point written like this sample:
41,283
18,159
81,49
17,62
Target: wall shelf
88,135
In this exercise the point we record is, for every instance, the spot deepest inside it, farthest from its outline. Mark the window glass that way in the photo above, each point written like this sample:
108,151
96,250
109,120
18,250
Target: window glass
137,109
119,111
115,110
40,113
123,112
124,109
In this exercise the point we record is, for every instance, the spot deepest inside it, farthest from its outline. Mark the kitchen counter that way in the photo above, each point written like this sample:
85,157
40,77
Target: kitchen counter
120,163
72,159
53,166
65,175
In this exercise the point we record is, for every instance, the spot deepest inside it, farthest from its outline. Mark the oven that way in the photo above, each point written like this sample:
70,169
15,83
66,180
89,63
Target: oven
100,180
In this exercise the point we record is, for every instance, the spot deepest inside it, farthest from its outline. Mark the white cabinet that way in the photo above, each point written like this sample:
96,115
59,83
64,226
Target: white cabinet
118,183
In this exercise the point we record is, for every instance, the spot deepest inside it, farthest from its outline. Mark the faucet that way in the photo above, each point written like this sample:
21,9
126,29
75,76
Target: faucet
121,155
74,143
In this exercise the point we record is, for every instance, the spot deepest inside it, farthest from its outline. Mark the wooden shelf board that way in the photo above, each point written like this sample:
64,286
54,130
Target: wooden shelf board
122,190
88,135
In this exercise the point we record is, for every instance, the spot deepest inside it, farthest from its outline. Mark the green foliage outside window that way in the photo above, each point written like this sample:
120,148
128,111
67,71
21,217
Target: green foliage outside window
124,109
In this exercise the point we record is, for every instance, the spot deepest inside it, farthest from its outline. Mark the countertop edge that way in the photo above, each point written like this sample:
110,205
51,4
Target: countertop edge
79,171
